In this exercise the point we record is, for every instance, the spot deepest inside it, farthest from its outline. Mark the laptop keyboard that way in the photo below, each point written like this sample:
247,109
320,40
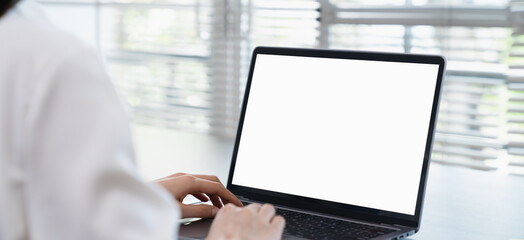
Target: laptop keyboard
315,227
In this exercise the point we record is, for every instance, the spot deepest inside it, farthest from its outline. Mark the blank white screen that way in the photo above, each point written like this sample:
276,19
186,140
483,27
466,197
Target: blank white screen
348,131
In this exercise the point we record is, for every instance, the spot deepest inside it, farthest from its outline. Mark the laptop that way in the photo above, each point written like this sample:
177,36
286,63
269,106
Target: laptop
338,141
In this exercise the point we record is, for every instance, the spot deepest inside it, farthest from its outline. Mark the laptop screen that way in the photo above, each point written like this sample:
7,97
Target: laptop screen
342,130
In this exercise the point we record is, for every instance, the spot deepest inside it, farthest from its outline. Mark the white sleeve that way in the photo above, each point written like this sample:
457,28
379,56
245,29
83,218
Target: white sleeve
81,178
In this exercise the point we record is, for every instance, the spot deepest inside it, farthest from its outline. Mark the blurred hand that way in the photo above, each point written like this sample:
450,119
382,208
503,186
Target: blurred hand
252,222
203,187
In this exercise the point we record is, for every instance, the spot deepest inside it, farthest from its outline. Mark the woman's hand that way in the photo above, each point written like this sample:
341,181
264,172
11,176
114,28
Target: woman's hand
253,222
203,187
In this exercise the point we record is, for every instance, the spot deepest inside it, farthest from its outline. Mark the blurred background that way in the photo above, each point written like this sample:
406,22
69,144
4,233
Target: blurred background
181,66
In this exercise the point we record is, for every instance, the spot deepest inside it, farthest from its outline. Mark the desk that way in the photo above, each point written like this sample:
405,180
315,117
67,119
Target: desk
464,203
460,203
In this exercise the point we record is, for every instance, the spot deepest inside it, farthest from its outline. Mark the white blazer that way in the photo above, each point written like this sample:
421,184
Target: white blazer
67,169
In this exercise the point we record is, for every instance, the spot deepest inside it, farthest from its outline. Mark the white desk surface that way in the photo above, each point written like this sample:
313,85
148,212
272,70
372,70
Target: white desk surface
460,203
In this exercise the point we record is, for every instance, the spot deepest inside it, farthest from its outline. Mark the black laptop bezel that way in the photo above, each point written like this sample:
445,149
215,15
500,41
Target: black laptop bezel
333,208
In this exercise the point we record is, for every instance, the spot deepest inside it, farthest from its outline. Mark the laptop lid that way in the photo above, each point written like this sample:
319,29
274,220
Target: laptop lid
344,133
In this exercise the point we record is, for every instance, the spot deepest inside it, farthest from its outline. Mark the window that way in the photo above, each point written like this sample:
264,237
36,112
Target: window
183,63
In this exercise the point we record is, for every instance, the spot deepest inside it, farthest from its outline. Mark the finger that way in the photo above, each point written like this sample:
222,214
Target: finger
190,184
277,224
214,198
255,207
202,197
230,207
216,201
231,198
267,212
216,188
216,179
198,211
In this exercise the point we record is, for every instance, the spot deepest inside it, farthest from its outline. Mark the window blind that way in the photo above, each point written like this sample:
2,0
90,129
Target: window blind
515,86
159,55
473,37
183,63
